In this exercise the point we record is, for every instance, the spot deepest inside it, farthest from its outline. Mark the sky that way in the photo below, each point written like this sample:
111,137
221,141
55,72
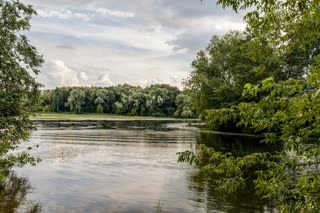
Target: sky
110,42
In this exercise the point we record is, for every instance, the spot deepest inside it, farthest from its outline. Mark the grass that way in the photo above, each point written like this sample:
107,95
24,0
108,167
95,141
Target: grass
95,116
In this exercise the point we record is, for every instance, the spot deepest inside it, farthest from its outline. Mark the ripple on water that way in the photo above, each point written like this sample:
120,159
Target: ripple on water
99,170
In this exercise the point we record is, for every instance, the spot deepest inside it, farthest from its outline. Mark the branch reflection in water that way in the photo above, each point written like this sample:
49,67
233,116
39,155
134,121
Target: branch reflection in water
208,199
13,196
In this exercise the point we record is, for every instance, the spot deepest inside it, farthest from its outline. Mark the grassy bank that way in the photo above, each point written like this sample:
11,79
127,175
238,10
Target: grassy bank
95,116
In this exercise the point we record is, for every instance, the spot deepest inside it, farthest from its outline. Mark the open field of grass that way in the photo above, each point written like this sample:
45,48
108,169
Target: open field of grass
95,116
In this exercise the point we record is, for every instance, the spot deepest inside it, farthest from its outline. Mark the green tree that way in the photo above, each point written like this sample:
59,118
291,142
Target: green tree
224,67
59,97
19,91
158,100
285,111
76,100
161,100
106,98
184,107
287,25
90,96
288,116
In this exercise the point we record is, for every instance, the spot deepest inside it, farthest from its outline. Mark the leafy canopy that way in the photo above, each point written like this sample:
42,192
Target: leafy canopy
19,91
155,100
288,114
284,108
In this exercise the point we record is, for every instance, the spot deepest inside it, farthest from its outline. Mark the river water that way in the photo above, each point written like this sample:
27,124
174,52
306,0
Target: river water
122,167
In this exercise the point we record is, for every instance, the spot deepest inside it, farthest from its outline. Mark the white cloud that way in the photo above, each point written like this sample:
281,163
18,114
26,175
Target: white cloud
153,38
62,14
104,80
158,80
56,73
84,15
83,76
120,14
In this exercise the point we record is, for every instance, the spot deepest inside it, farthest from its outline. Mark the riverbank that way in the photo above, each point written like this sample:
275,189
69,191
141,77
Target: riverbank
203,130
102,117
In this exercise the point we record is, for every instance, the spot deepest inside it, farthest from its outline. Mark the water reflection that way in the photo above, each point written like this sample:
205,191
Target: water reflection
13,197
209,200
94,169
238,145
163,125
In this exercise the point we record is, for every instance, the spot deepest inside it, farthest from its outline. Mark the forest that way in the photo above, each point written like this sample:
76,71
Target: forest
159,100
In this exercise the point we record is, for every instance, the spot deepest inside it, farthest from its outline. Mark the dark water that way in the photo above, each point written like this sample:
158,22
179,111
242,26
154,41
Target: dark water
121,168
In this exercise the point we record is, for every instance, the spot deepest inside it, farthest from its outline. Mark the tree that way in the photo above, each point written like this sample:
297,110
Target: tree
288,116
76,100
105,97
287,25
19,91
157,100
59,97
285,111
224,67
162,99
184,107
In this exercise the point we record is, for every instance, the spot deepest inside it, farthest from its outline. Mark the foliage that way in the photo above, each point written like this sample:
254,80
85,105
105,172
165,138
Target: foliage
157,100
76,100
287,25
19,92
281,40
224,67
287,114
184,107
224,119
99,108
283,106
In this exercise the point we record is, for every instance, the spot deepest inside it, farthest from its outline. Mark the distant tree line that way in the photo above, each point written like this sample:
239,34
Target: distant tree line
156,100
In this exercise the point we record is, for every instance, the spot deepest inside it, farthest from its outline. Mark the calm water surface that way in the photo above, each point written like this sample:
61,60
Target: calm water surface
86,168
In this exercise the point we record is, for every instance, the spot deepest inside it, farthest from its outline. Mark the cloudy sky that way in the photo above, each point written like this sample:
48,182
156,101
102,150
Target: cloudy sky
110,42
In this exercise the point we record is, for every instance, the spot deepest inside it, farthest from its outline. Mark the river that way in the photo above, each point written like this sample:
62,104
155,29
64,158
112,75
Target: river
122,167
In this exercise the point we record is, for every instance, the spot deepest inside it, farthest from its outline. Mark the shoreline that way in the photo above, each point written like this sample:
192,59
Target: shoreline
103,117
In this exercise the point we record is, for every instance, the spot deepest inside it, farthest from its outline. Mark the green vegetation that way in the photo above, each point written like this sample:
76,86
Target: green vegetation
264,81
270,75
224,67
158,100
19,92
93,116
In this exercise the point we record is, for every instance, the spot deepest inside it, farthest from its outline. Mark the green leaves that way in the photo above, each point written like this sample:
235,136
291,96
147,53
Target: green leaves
76,100
287,25
19,92
287,115
155,100
280,60
221,71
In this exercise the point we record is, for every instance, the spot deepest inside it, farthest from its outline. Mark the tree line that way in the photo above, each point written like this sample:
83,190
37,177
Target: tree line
158,100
